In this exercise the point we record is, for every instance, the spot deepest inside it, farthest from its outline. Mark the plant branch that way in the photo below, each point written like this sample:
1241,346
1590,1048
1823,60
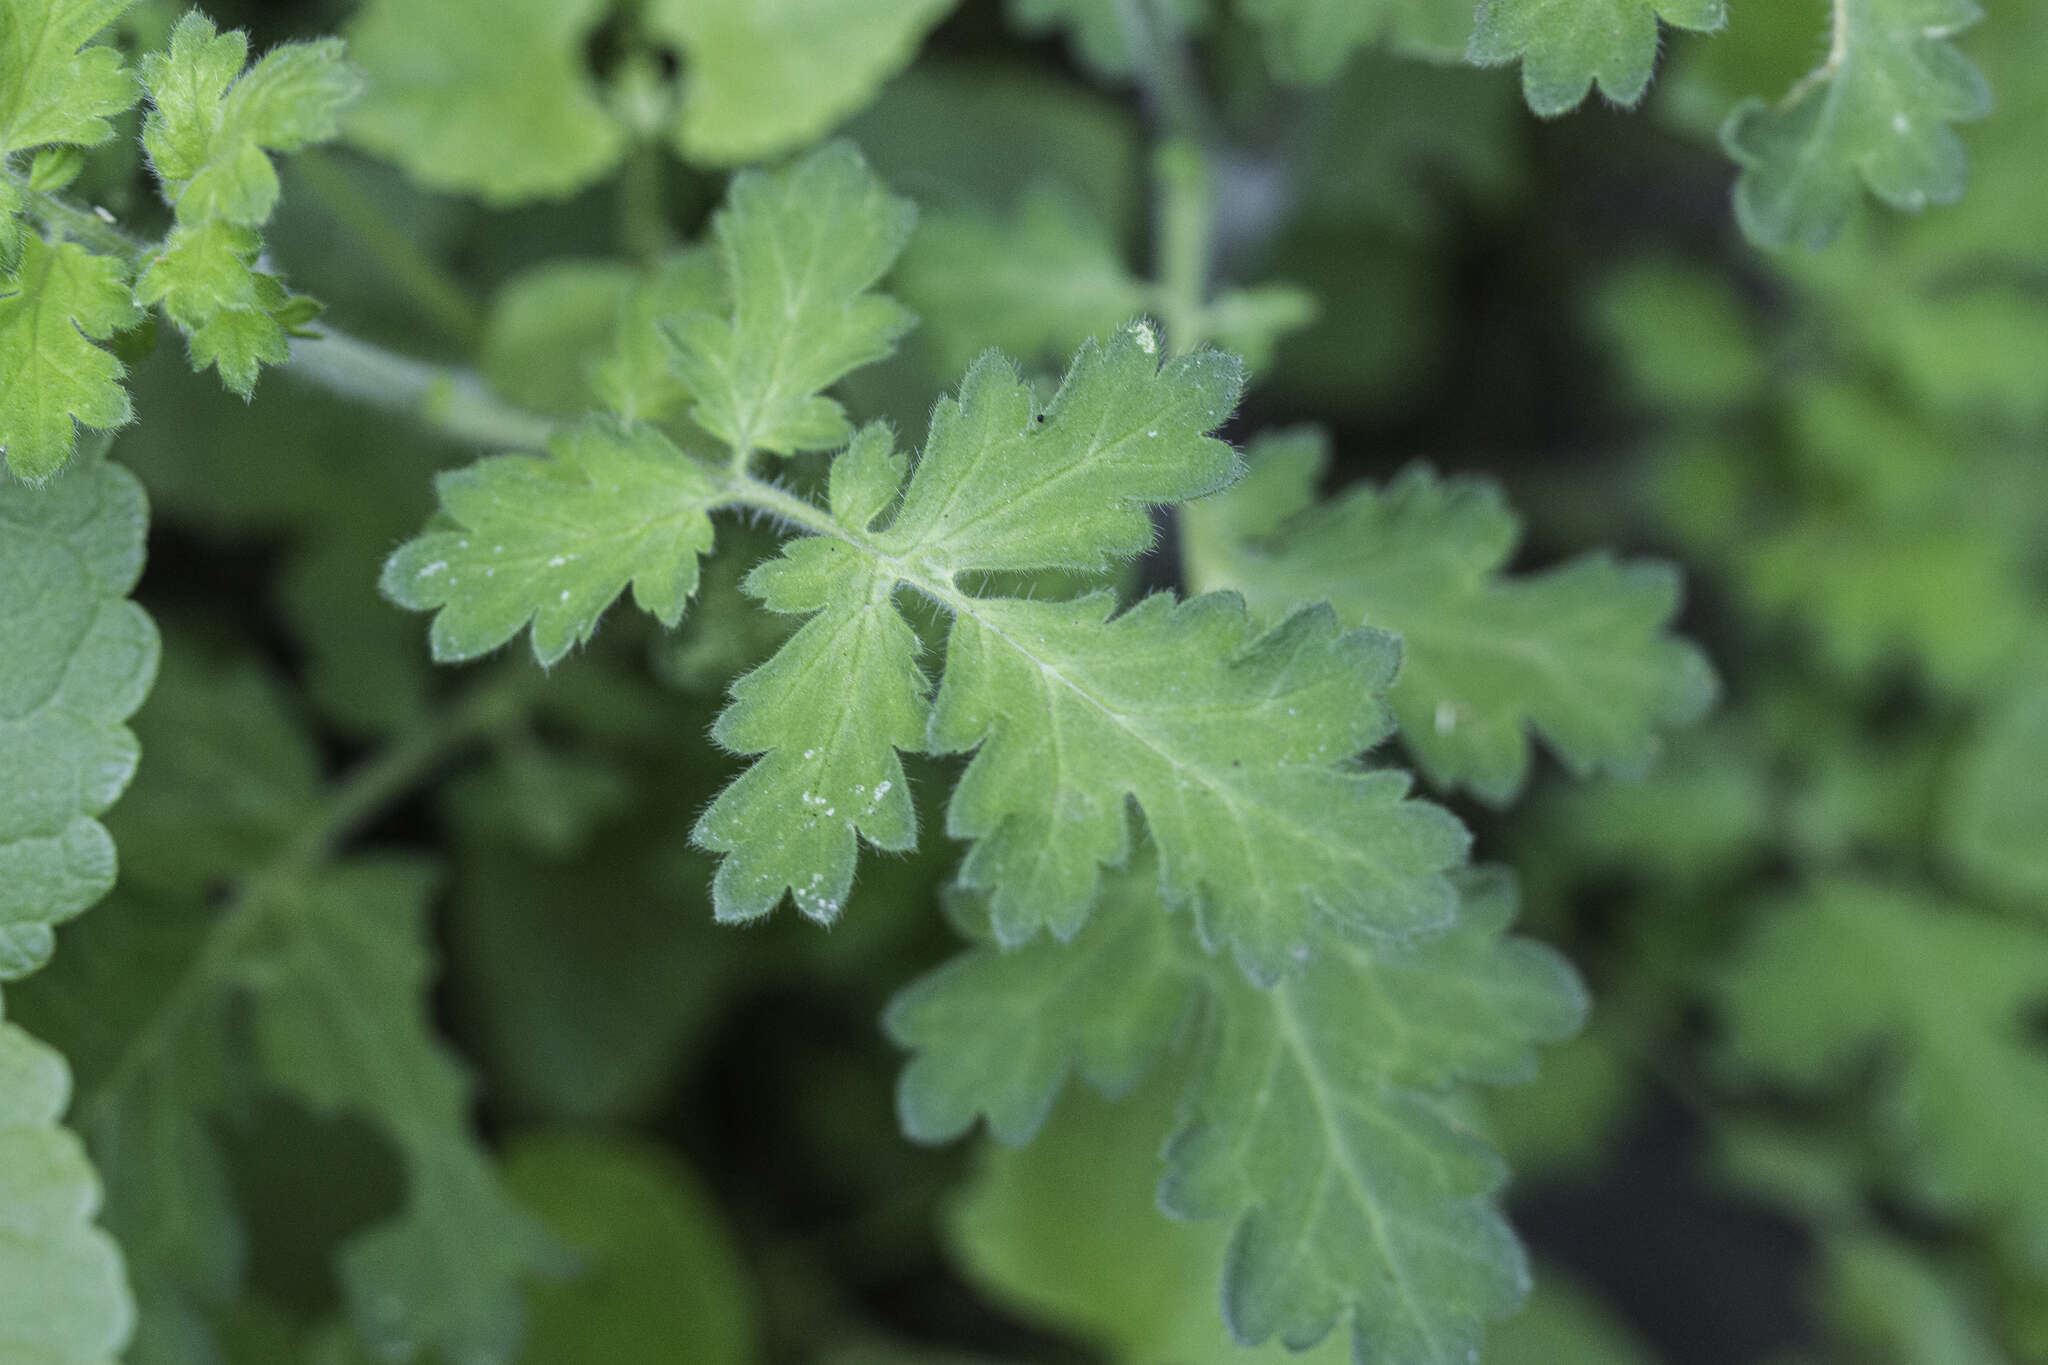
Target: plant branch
94,228
454,402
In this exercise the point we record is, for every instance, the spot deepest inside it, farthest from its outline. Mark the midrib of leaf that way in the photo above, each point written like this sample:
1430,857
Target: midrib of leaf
746,491
1320,1091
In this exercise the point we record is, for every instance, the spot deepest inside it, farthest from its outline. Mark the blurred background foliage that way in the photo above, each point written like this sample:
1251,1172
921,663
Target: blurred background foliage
1806,1123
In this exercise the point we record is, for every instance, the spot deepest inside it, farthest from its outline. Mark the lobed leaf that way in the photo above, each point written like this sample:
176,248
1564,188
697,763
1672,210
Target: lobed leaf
1567,47
54,88
1319,1115
1875,114
553,542
210,132
80,657
63,1295
57,301
1580,654
802,249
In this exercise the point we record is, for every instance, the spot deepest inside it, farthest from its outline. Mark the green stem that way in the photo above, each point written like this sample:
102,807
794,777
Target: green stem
444,301
643,203
1184,226
454,402
92,228
352,804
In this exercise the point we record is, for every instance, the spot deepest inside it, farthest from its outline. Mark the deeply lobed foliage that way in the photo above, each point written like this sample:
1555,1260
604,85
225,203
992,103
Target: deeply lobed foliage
1188,861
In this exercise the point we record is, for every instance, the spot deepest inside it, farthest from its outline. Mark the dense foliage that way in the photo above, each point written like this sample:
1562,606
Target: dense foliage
944,469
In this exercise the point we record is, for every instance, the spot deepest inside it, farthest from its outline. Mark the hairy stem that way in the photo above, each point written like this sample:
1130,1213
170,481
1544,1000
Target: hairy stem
453,402
94,228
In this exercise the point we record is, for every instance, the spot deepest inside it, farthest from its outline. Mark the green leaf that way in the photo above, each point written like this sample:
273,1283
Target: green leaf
1580,654
57,301
177,1009
1949,993
211,126
1566,47
1068,1234
1239,746
484,97
210,132
339,989
660,1283
1876,114
554,541
767,76
1997,805
1034,285
79,659
1236,745
827,714
50,89
1312,41
63,1295
1320,1118
802,249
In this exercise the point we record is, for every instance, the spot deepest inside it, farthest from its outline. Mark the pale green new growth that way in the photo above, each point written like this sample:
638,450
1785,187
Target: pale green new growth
1876,113
802,250
51,91
768,75
210,132
1320,1117
554,541
63,1296
79,658
56,302
486,97
1566,47
1997,806
1580,654
1948,992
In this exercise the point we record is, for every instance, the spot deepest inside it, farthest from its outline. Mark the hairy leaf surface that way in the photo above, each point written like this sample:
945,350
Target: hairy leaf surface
1319,1118
53,88
211,130
1877,113
54,304
554,541
1579,654
78,661
802,250
1566,47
